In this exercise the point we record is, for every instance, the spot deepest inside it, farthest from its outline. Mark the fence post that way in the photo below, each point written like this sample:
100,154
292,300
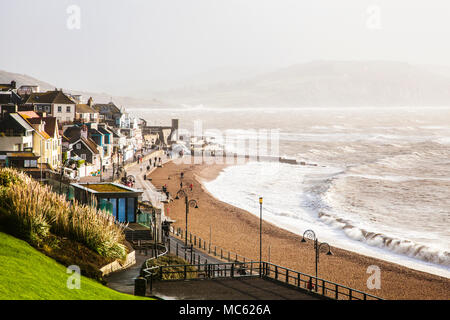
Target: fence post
350,294
184,272
287,275
232,270
221,253
323,287
337,292
229,256
215,249
298,279
276,272
177,249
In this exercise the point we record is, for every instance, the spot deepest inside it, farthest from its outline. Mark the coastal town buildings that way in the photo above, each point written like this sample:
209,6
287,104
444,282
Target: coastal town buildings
84,112
26,90
63,141
54,103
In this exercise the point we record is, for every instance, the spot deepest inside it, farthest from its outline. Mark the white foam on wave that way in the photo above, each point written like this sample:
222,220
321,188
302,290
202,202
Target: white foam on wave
292,201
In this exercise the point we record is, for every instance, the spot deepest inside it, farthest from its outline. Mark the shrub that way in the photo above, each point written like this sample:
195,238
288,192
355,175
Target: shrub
31,210
8,177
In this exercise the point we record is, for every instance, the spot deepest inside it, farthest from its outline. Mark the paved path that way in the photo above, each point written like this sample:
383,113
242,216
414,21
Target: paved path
123,281
243,288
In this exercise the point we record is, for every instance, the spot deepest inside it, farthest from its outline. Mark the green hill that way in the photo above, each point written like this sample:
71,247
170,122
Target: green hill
25,273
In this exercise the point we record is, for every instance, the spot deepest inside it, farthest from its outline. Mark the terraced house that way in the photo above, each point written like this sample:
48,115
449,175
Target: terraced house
86,113
27,131
54,103
46,138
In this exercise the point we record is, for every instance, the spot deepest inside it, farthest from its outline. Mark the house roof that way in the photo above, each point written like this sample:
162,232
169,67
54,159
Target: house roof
50,123
55,96
51,126
22,155
73,135
84,108
21,121
28,114
103,130
108,107
90,144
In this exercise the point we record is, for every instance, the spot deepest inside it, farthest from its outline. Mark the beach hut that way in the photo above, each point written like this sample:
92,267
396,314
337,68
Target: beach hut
119,200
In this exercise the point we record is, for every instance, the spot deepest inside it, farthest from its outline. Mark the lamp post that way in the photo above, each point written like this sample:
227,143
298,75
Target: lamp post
260,234
310,234
188,203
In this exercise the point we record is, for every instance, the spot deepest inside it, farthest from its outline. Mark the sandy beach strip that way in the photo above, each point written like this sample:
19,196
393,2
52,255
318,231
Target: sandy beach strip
237,230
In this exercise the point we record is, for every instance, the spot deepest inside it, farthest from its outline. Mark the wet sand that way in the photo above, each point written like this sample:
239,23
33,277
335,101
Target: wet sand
237,230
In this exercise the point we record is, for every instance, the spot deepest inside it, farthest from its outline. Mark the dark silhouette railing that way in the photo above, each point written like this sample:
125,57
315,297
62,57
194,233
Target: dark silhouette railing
291,277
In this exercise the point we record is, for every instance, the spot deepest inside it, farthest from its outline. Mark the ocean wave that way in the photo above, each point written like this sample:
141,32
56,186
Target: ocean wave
380,240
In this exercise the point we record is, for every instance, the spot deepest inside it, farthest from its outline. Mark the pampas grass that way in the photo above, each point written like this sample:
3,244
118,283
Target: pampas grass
36,210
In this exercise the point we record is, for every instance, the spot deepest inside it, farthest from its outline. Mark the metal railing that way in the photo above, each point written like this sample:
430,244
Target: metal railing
209,270
305,281
298,279
207,247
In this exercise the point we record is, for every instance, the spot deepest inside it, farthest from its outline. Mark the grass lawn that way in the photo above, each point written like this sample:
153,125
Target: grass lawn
26,273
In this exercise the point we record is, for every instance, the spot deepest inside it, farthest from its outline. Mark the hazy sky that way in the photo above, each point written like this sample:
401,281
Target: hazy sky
126,47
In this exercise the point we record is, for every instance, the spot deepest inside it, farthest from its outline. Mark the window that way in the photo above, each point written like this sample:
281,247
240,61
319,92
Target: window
121,210
33,163
130,210
83,156
68,108
78,146
59,109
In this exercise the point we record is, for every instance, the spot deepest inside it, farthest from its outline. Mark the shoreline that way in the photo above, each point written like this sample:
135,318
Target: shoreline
237,230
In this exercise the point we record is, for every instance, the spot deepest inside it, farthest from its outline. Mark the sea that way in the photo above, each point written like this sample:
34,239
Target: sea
375,181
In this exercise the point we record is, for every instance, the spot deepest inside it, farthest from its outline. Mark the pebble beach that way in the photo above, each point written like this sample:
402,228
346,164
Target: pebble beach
237,230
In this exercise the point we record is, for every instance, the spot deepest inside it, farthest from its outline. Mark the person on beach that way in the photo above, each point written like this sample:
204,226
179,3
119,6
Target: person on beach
191,186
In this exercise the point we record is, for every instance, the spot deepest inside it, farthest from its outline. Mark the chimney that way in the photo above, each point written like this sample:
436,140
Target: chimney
90,102
84,131
13,84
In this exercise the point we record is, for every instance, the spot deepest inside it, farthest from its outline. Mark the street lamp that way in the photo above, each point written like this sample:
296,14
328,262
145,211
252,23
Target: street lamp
189,203
260,234
310,234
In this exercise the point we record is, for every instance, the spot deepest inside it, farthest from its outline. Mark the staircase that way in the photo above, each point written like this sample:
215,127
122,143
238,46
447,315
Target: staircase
136,232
